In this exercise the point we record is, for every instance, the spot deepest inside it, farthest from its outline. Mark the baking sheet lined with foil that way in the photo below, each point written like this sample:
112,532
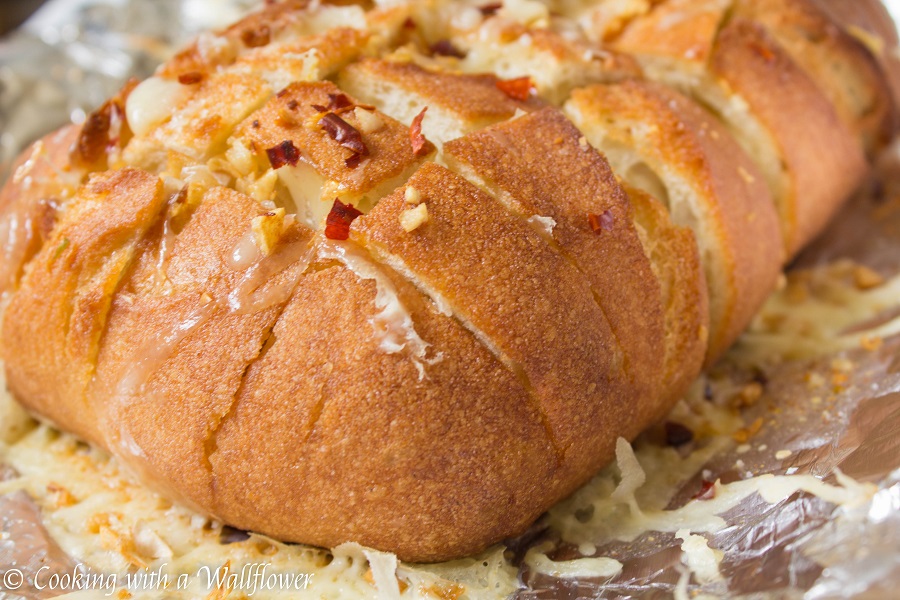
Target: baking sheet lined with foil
799,395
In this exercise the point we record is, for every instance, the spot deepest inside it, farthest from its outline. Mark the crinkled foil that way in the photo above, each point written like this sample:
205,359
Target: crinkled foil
75,53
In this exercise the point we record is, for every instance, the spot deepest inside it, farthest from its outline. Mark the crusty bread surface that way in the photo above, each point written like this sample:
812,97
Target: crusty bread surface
402,275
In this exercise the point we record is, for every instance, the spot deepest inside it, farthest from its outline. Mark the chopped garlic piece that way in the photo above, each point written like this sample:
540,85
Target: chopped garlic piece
526,12
412,195
369,121
240,157
413,218
267,229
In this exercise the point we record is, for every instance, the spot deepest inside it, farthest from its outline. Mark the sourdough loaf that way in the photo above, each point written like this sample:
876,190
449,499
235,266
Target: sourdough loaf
402,274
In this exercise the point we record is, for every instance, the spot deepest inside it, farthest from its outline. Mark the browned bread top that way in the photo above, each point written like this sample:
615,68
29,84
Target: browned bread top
348,273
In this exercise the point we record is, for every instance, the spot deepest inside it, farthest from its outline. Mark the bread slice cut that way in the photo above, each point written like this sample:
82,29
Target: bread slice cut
559,198
728,63
521,298
823,162
55,321
663,143
185,324
841,65
556,62
675,260
457,103
342,447
40,182
323,169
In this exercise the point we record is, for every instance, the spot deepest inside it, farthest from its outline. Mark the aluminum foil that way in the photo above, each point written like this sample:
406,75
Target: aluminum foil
74,53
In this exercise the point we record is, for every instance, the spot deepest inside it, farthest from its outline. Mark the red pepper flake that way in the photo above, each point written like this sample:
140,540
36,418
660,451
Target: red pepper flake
602,222
707,491
677,434
338,101
446,48
255,124
409,23
337,223
344,133
415,134
764,52
254,38
292,105
282,93
190,78
353,160
519,88
284,153
489,9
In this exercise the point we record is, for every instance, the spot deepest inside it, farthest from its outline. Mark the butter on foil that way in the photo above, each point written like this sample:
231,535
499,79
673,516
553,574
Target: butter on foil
777,477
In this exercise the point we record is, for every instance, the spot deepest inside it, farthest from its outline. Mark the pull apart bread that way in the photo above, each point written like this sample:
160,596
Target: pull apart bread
403,274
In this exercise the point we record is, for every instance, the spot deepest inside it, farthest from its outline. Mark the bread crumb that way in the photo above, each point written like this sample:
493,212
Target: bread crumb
866,278
814,380
748,396
413,218
871,344
745,175
783,454
412,195
582,141
842,365
742,436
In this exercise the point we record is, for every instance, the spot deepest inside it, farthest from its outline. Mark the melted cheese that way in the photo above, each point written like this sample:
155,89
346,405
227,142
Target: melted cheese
392,324
153,102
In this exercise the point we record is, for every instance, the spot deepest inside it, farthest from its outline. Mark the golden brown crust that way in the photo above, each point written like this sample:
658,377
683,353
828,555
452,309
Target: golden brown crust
173,332
56,318
576,184
473,98
713,187
473,352
40,180
681,29
733,69
870,23
839,63
676,263
382,446
554,336
824,161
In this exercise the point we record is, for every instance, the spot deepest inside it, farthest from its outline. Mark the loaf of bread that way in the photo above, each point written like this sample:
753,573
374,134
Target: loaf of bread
402,274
